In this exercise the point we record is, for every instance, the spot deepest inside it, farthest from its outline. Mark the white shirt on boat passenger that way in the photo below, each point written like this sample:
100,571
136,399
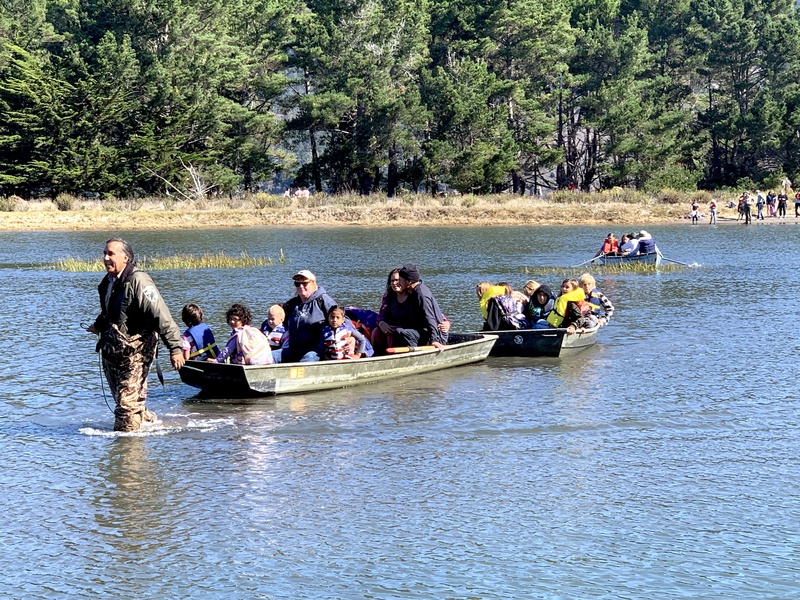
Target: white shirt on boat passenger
630,248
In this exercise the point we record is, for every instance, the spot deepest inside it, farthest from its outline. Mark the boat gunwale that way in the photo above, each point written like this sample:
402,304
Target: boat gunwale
339,371
370,359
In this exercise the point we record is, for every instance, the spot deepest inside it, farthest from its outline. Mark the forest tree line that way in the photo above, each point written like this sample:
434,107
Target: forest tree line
124,97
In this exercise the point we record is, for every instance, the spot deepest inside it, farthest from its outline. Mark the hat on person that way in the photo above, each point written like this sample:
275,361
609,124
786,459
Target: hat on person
304,275
644,234
410,273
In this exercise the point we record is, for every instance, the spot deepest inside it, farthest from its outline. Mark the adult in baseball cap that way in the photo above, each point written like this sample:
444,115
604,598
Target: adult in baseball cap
306,315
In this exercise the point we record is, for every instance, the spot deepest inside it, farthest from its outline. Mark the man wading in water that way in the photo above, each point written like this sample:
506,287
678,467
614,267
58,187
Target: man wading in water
132,317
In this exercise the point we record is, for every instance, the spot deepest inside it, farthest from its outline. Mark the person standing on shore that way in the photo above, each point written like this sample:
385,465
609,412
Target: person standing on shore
747,203
132,318
760,203
782,200
694,214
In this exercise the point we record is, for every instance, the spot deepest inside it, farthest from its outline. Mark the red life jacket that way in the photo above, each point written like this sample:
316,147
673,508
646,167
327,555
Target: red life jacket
610,246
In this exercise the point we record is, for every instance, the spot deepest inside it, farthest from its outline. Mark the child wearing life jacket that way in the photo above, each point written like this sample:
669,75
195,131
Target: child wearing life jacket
273,327
339,339
247,345
571,309
198,341
486,291
602,308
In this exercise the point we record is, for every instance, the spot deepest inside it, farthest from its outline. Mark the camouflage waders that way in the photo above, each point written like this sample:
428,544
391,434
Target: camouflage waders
126,363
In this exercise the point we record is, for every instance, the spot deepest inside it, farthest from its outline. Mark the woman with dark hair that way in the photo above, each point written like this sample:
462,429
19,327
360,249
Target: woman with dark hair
396,313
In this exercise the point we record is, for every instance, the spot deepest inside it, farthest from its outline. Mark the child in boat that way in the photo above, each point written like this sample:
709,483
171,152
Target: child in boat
339,339
571,309
247,345
486,291
601,305
198,341
519,297
273,327
530,287
539,307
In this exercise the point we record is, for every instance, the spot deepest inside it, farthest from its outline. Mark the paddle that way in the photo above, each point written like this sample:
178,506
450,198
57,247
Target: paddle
585,262
404,349
677,262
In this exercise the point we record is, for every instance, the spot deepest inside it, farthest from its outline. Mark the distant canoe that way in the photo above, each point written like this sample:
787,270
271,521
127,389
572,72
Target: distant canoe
225,381
653,258
541,342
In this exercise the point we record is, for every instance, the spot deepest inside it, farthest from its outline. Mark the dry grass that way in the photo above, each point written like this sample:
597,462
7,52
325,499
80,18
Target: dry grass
618,207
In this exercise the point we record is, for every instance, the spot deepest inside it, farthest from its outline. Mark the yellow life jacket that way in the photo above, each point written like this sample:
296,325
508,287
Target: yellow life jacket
495,290
559,312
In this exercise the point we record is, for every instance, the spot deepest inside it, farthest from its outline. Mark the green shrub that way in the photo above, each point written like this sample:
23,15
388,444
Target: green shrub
625,195
65,202
564,197
670,196
110,204
7,204
675,177
773,181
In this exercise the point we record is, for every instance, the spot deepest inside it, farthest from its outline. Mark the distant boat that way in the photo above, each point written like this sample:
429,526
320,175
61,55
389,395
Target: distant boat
653,258
230,381
541,342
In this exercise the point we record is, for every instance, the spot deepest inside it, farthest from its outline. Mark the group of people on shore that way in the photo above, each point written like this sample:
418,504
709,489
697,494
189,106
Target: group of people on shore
631,244
578,306
774,203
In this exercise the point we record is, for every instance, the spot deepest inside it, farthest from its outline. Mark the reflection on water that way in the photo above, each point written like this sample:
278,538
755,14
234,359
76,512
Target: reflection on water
660,463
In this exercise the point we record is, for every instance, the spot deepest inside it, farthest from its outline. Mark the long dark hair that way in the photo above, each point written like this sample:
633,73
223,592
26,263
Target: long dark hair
395,271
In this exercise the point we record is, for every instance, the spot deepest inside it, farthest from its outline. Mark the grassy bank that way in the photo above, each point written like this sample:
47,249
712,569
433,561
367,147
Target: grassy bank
613,207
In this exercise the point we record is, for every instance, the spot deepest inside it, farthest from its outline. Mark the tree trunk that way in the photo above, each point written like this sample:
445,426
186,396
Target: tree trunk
312,137
391,181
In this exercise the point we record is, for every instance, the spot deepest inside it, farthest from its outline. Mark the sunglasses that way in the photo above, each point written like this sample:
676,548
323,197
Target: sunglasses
299,283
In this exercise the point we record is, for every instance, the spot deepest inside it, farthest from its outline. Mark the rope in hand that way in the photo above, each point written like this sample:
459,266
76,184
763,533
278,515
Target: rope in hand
85,326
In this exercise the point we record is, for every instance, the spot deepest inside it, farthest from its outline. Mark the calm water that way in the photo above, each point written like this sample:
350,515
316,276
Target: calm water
661,463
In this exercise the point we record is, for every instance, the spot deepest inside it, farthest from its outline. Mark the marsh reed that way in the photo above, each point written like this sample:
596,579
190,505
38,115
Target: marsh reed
622,269
178,262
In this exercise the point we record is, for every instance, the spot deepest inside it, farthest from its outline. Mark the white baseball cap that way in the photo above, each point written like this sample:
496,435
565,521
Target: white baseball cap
305,275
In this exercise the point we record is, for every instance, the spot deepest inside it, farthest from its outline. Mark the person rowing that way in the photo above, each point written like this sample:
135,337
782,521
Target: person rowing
610,246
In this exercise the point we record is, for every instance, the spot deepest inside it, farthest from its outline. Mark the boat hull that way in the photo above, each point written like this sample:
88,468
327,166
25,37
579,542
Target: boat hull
654,258
541,342
225,381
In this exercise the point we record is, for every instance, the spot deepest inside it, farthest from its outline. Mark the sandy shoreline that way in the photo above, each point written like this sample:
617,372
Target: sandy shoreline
386,214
